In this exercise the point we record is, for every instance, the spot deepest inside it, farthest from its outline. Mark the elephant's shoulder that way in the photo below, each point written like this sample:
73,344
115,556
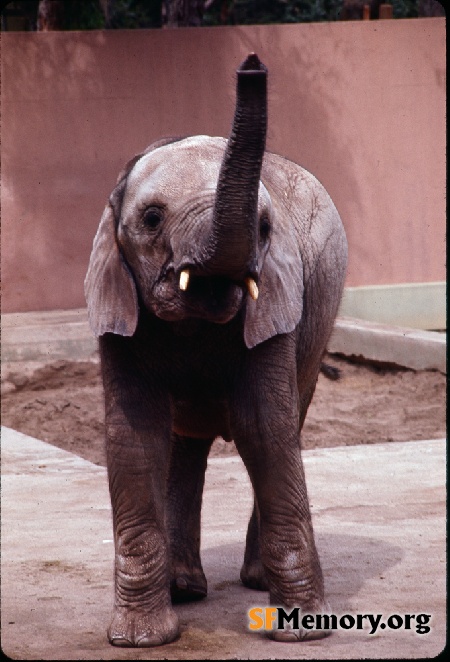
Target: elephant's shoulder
297,195
304,211
287,178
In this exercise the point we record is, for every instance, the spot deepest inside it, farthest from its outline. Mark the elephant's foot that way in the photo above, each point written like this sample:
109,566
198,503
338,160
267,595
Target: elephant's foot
290,634
188,584
136,628
253,576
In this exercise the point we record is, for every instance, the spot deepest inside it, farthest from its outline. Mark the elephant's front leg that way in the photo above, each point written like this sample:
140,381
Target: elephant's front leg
267,437
252,571
184,501
137,444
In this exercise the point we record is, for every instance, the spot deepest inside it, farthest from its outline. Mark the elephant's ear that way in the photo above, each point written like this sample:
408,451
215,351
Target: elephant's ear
109,286
279,306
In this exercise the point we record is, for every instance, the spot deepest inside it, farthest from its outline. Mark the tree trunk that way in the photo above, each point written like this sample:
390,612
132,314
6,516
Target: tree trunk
108,9
353,10
183,13
50,15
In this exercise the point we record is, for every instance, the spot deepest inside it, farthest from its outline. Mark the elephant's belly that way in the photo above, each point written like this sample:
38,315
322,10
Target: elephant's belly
205,420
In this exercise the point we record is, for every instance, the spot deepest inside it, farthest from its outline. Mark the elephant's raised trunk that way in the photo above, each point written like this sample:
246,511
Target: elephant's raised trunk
233,246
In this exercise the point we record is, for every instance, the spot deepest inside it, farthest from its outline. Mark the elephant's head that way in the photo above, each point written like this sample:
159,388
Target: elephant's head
190,231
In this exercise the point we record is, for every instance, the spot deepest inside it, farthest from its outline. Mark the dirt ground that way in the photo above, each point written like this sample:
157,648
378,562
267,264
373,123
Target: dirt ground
62,403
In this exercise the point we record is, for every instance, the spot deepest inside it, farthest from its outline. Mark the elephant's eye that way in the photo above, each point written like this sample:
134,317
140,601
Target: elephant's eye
264,228
152,217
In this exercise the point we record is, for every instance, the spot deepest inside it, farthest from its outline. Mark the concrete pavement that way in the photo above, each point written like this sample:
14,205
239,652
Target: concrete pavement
380,521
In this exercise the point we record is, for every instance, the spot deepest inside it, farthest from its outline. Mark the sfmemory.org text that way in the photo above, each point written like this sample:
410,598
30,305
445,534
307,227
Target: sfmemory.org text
270,618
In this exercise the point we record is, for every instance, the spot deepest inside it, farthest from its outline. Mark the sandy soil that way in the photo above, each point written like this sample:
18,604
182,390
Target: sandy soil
62,403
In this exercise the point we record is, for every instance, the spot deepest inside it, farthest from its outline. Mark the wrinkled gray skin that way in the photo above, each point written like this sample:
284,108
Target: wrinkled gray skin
182,365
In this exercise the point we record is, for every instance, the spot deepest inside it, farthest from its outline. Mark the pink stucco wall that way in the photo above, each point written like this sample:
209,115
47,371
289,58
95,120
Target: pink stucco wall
359,104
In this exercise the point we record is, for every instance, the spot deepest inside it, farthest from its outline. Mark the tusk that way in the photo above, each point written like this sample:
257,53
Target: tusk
252,288
184,280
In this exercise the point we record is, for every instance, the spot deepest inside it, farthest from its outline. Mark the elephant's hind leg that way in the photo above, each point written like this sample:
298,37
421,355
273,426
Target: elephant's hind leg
184,500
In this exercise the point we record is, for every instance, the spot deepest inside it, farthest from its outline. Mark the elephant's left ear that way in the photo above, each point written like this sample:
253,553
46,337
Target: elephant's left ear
279,306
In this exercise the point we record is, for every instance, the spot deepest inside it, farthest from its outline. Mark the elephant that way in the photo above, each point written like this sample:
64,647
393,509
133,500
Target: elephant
213,285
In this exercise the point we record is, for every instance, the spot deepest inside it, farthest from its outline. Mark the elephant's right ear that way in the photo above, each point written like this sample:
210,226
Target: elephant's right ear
109,286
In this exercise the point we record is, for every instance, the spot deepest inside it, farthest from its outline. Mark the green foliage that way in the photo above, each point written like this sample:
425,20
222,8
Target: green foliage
85,15
405,8
74,15
307,11
128,14
245,12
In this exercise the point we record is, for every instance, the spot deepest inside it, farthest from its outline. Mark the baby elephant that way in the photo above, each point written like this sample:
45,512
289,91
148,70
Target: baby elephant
213,285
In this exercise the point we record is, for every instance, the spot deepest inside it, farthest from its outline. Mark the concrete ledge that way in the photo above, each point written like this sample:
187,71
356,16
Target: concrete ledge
53,335
47,335
409,348
410,305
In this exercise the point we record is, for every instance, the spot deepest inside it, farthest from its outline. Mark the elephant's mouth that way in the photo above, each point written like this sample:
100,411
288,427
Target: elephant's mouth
212,288
216,298
191,292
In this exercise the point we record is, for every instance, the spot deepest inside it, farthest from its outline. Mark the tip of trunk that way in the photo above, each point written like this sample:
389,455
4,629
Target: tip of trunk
252,64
